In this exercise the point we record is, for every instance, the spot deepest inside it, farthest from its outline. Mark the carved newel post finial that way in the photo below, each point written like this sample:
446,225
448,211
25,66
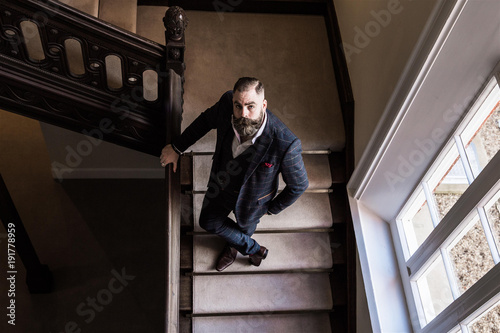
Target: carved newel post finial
175,22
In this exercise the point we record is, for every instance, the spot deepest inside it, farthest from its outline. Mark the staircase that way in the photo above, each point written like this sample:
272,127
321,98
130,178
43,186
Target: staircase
294,289
303,284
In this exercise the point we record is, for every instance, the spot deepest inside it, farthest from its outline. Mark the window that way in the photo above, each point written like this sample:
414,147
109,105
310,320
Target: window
449,228
487,320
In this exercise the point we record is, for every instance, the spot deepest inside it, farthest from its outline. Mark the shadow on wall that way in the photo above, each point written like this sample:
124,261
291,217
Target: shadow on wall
127,220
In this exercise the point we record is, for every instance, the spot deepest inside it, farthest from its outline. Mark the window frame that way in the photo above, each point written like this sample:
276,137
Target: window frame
479,193
435,86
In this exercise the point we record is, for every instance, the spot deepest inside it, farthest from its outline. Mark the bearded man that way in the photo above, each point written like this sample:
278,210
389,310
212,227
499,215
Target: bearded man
253,147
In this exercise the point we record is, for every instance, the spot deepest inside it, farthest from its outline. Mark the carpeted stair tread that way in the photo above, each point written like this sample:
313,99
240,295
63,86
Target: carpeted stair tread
266,292
122,13
287,251
311,210
90,7
150,22
317,167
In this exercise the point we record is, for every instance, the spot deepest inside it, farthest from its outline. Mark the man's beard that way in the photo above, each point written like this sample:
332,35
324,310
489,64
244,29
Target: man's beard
246,126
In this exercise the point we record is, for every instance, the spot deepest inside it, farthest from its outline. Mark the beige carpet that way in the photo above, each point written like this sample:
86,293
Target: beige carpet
289,53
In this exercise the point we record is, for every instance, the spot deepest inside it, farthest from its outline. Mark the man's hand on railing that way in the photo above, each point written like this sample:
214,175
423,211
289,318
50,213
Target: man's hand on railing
168,155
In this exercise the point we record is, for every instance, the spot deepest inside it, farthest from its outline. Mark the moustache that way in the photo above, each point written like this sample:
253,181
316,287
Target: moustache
246,122
246,126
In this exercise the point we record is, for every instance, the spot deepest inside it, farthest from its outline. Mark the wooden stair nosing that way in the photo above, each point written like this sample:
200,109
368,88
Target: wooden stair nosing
314,190
272,231
250,313
267,272
304,152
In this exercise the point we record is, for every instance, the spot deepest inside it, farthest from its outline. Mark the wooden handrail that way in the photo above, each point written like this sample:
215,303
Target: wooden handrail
173,222
175,23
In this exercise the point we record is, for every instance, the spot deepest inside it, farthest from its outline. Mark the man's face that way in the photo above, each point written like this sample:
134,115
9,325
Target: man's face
248,104
248,111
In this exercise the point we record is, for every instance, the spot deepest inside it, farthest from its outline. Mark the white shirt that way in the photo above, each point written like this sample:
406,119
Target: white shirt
239,147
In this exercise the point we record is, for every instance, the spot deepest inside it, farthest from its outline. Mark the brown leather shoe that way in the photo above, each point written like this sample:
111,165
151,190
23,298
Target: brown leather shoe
256,259
226,258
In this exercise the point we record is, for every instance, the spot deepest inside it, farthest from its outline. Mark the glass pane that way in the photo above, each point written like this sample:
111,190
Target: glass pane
493,214
33,41
487,322
485,143
471,257
434,290
452,183
418,228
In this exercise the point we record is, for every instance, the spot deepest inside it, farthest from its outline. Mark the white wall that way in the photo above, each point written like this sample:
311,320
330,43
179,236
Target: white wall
380,273
378,38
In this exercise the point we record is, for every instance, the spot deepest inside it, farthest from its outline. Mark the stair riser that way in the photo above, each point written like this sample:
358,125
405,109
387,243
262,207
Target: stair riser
265,323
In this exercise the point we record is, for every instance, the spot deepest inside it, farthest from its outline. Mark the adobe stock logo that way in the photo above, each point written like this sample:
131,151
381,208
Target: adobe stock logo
372,29
89,308
225,6
425,148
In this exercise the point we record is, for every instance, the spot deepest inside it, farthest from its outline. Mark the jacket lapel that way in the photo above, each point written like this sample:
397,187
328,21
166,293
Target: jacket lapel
221,133
261,145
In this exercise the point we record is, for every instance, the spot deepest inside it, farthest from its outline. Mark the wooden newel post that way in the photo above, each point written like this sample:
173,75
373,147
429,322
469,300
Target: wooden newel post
38,276
175,22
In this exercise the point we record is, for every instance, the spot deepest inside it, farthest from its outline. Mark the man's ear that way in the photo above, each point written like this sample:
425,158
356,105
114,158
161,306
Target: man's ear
264,103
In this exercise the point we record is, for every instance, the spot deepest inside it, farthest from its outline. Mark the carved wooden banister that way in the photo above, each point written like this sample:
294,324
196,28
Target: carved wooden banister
175,22
55,67
42,86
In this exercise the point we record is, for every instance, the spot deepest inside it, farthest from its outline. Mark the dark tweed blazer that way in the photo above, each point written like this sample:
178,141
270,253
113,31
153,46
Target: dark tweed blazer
278,150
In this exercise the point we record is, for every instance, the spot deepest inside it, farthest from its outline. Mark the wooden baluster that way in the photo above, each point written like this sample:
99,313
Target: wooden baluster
38,276
175,22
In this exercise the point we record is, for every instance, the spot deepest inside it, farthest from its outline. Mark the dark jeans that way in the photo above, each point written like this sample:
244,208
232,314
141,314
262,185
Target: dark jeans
214,219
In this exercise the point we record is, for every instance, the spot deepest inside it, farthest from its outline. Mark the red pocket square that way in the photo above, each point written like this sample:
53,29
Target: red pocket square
267,165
